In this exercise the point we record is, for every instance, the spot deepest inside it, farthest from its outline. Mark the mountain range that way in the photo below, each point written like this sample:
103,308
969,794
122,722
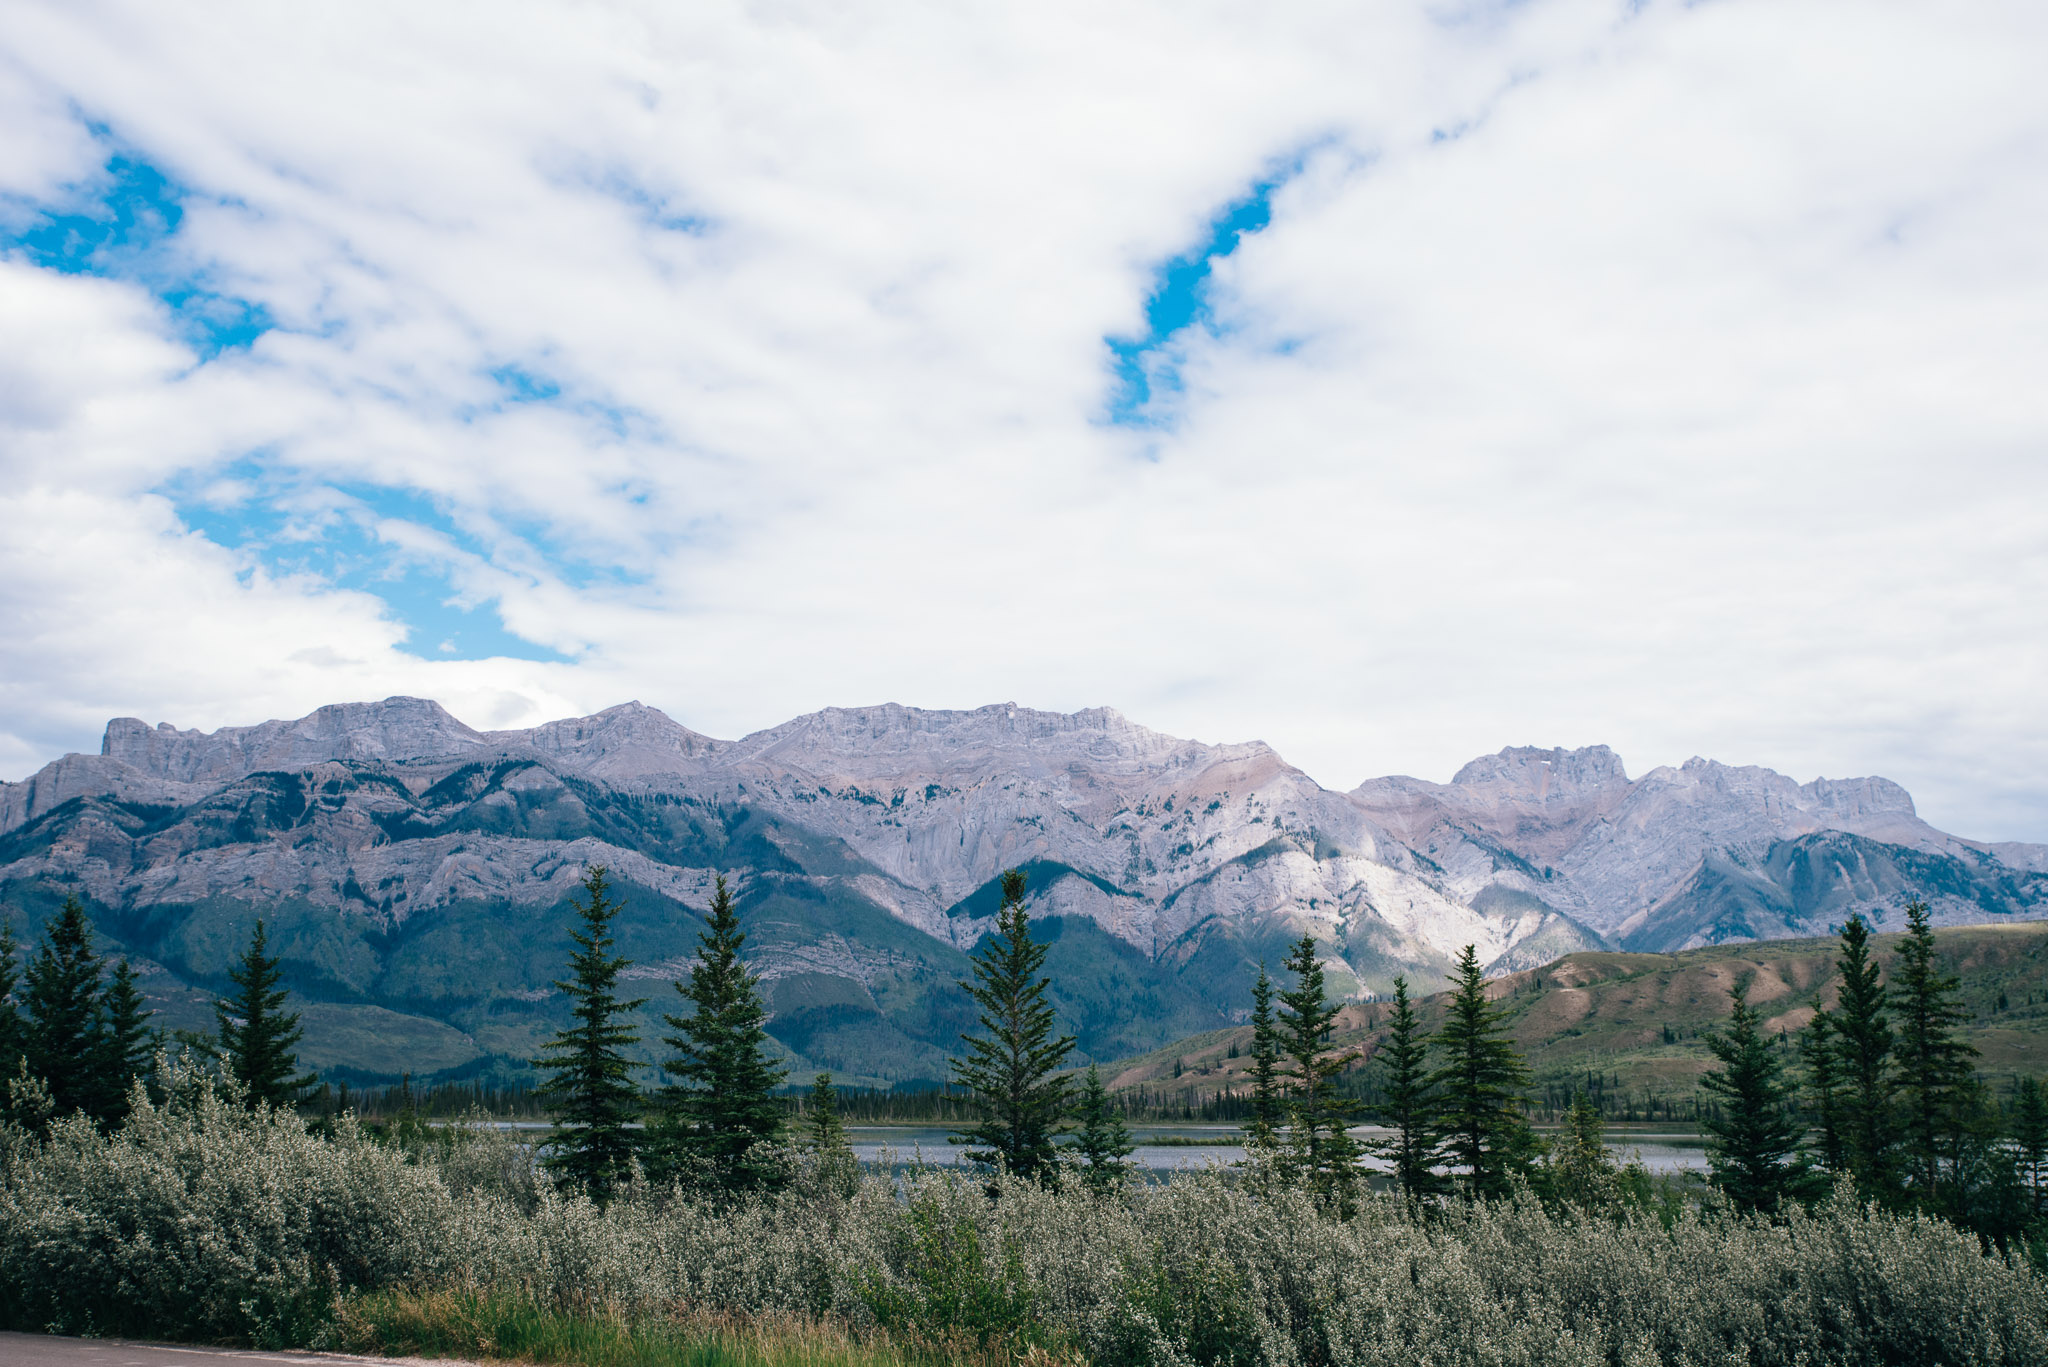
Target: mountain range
415,872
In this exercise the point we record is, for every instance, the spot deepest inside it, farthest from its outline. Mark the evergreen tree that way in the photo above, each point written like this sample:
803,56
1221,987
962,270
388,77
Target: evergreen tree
2028,1127
259,1040
1934,1069
122,1049
1823,1091
1479,1087
1579,1171
1011,1070
827,1133
827,1139
723,1116
1862,1035
589,1088
1320,1150
1101,1142
1752,1139
1263,1130
10,1018
1407,1104
60,1001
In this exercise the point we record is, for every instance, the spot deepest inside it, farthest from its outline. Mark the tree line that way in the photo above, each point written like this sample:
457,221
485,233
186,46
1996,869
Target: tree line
1885,1094
75,1033
715,1123
1886,1099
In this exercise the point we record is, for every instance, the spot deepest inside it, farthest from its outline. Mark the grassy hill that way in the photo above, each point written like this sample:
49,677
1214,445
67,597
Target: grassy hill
1628,1026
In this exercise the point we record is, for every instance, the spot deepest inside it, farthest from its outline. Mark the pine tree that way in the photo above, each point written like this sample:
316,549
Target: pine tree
258,1040
61,1008
1320,1150
1823,1092
1102,1142
1863,1048
122,1048
1579,1171
589,1088
2028,1128
1011,1070
1752,1139
1479,1087
1934,1067
1407,1103
827,1139
723,1115
822,1112
11,1030
1263,1131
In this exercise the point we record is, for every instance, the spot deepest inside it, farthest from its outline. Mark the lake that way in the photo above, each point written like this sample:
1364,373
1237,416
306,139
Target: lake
1660,1152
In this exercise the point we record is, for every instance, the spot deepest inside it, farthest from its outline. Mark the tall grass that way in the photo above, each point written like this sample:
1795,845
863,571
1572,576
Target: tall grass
508,1324
202,1221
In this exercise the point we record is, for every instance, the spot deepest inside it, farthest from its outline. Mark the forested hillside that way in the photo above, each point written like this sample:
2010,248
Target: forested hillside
1627,1026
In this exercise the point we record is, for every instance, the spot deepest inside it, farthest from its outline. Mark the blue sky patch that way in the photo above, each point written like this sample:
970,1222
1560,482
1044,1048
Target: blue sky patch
1145,369
329,533
123,226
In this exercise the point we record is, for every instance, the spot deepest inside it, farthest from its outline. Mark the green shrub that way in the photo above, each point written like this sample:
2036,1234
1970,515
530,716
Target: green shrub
201,1220
940,1286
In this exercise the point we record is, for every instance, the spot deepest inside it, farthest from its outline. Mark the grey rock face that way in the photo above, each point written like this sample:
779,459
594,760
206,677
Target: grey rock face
385,809
1621,855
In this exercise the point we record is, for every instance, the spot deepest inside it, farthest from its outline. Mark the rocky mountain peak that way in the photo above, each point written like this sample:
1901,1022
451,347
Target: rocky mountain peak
891,741
631,740
393,729
1526,773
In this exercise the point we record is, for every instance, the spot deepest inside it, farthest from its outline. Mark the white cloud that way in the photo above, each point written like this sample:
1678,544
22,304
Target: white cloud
1684,397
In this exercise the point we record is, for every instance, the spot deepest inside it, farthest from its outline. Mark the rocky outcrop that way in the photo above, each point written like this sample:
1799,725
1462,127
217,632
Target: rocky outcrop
1655,861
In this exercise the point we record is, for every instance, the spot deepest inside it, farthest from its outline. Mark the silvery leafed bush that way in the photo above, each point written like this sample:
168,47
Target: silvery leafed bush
202,1220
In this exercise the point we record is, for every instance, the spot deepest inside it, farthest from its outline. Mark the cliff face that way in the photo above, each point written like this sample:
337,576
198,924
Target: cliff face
1633,858
419,865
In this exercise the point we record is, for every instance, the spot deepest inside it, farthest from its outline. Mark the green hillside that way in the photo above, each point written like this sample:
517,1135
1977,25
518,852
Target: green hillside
1629,1025
462,992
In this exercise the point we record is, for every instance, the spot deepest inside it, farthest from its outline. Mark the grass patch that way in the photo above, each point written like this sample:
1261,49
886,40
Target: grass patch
1192,1141
508,1326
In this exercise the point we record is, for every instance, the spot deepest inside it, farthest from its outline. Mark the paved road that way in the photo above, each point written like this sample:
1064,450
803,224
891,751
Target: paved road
45,1350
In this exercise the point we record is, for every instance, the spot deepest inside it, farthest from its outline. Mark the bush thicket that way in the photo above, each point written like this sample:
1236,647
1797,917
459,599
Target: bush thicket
203,1219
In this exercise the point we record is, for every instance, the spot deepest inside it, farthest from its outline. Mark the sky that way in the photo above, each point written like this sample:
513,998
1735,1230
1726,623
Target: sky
1388,382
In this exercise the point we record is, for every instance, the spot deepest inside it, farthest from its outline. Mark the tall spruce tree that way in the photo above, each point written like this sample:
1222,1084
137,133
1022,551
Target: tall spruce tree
1862,1034
1320,1149
590,1090
1263,1129
1101,1140
122,1048
258,1038
1579,1171
1753,1141
2027,1126
1824,1093
722,1118
60,1002
1011,1070
1934,1068
1479,1087
837,1165
821,1116
1408,1104
10,1016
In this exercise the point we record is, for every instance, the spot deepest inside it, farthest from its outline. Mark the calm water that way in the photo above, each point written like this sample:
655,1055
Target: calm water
1659,1152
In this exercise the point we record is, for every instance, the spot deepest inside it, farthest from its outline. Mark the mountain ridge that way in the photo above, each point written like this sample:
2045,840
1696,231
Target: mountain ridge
405,848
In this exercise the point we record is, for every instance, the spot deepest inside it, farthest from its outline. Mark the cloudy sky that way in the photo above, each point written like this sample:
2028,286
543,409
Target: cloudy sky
1390,382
